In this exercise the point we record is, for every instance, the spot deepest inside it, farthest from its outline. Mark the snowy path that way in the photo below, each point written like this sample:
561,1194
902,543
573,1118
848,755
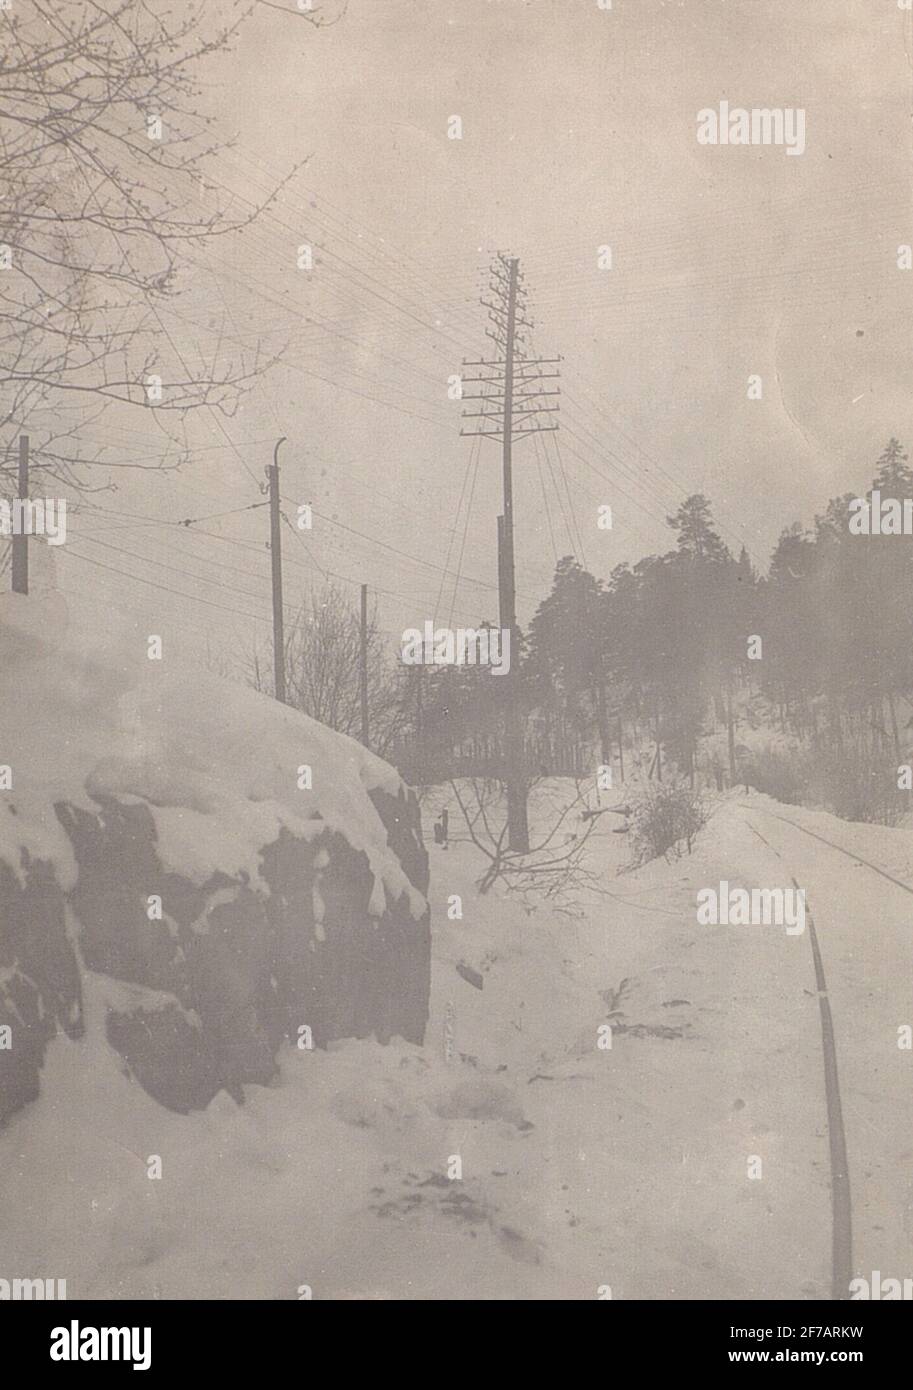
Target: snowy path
716,1062
581,1168
864,921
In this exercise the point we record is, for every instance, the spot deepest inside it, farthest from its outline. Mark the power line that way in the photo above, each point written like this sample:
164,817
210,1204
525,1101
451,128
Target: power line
413,559
177,569
472,488
152,584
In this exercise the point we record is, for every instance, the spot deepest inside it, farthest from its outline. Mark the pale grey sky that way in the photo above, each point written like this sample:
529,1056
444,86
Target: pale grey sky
579,129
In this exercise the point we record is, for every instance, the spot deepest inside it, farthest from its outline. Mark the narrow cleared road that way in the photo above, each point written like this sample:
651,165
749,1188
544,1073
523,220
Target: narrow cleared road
863,916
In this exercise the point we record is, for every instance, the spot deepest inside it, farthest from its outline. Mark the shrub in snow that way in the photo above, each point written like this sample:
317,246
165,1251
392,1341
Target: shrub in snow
664,819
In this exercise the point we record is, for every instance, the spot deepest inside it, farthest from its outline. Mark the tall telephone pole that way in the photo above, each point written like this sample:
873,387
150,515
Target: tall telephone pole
19,564
363,666
511,403
275,545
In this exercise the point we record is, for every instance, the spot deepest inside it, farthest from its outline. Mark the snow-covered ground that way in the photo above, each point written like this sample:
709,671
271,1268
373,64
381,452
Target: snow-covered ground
581,1167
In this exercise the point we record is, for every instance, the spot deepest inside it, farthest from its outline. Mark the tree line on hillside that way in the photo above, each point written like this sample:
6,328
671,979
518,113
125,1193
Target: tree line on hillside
799,682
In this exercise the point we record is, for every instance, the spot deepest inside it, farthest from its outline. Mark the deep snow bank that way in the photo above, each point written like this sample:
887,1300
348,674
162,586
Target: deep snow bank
157,829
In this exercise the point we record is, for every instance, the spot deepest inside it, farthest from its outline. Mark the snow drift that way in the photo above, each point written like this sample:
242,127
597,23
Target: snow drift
158,834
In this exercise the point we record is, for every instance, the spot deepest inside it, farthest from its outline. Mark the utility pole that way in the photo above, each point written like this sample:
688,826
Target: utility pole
20,557
508,599
511,402
363,666
275,545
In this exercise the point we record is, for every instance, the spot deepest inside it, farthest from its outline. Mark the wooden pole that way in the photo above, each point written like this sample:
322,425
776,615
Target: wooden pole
275,542
363,666
20,558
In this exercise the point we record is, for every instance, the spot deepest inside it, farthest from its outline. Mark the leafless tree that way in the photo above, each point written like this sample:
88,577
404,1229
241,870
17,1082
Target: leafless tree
103,153
554,869
323,669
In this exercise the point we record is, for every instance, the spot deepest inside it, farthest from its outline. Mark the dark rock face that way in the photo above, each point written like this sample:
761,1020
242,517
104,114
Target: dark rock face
403,823
229,972
39,979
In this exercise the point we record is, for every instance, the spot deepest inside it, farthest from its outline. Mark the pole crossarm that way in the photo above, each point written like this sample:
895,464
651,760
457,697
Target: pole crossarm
516,434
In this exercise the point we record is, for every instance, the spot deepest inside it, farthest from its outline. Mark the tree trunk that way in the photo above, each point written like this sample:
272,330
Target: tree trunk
894,731
605,742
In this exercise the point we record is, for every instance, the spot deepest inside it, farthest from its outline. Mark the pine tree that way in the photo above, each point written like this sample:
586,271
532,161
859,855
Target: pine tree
894,477
568,649
697,534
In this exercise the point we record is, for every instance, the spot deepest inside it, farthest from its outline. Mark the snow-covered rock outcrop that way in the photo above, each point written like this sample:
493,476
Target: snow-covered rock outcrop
230,872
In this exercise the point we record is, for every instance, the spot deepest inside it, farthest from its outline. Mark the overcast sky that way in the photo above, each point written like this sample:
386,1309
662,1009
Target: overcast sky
579,130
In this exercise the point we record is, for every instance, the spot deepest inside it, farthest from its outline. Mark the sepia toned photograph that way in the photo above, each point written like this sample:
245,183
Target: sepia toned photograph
456,660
